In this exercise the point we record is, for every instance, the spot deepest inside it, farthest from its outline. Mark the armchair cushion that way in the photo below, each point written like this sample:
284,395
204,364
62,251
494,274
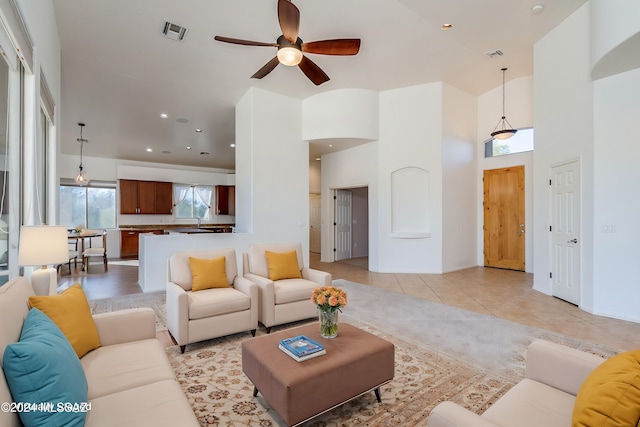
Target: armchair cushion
611,393
283,265
208,273
217,302
292,290
180,271
71,313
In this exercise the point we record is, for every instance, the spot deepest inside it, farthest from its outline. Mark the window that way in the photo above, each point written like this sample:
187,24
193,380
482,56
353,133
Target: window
520,142
92,207
192,201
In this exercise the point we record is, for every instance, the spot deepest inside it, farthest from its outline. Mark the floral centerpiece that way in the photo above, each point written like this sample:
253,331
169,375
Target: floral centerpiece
329,301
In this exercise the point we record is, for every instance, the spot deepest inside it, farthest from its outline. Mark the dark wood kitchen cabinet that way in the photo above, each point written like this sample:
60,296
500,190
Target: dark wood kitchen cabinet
129,241
225,200
146,197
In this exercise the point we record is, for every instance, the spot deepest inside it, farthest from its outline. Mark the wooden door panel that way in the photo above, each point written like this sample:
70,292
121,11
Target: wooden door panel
128,196
164,198
504,218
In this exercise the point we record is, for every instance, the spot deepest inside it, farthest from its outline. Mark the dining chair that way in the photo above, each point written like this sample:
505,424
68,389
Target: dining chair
97,248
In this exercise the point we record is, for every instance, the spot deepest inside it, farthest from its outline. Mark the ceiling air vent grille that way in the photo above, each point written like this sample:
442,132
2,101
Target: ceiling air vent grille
173,31
494,53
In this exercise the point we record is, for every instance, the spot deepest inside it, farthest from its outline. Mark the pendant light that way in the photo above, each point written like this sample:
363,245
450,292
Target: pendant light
506,131
81,178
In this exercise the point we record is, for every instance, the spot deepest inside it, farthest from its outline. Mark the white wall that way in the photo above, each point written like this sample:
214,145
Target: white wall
616,270
410,135
520,101
315,176
459,198
563,119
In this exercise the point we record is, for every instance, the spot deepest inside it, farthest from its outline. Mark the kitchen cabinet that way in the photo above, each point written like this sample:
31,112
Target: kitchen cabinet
146,197
225,200
129,240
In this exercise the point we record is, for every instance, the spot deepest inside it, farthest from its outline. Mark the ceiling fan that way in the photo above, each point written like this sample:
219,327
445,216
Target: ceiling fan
291,47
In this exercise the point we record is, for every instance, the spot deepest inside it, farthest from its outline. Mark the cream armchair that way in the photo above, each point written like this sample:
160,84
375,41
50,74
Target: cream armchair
285,300
194,316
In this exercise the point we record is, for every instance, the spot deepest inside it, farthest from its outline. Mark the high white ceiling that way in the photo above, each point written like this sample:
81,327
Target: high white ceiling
119,73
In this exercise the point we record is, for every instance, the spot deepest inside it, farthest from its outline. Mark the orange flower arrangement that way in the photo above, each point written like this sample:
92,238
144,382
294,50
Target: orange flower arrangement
329,298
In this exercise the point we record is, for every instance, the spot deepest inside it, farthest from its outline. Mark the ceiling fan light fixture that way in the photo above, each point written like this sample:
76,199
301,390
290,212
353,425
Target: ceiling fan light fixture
289,56
506,131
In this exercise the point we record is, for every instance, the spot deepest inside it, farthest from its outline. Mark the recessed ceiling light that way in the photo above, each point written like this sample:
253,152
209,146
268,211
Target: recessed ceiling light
198,130
318,158
446,27
149,150
164,115
232,145
330,145
188,148
166,152
536,9
204,153
182,120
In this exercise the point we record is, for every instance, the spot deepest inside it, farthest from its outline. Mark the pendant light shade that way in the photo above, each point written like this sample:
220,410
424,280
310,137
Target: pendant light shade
81,178
503,129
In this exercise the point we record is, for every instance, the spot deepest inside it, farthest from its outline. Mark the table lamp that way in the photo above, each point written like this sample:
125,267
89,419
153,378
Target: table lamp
43,245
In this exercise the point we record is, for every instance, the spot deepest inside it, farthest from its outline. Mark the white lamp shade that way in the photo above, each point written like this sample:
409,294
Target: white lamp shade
289,56
42,245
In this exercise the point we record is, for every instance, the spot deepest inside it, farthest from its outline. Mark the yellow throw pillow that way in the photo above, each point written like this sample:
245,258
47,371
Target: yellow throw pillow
610,396
283,265
208,273
71,313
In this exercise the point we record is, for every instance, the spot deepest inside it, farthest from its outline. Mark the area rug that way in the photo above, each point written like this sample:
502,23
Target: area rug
154,300
442,353
211,375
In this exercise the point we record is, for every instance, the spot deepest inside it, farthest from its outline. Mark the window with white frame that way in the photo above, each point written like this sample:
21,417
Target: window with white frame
193,201
521,142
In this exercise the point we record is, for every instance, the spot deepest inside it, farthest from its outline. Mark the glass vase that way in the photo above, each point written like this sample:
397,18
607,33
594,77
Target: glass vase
329,324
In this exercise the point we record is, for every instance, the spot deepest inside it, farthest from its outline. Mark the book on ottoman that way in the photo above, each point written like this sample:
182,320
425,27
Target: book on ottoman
301,348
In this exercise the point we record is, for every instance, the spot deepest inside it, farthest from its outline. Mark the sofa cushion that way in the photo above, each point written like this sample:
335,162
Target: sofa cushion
208,273
159,404
611,393
114,368
531,404
292,290
214,302
70,311
283,265
43,367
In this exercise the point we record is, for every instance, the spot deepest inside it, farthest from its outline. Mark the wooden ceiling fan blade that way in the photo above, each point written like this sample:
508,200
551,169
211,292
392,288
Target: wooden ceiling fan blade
266,69
333,47
312,71
289,19
243,42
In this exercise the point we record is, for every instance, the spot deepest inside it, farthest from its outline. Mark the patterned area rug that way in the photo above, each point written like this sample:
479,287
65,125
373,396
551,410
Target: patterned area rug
442,353
154,300
211,375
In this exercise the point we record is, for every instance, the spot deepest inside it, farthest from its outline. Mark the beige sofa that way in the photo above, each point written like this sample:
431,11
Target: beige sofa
130,379
545,397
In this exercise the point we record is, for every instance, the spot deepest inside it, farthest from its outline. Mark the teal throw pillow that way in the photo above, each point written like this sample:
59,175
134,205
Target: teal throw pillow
43,368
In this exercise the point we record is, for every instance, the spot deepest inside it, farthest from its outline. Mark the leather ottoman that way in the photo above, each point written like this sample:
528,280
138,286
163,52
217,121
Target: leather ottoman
356,362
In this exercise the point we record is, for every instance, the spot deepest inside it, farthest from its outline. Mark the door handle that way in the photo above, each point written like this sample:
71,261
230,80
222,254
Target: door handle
572,241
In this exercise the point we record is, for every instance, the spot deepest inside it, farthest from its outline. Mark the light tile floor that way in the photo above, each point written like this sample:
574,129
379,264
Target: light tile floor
502,293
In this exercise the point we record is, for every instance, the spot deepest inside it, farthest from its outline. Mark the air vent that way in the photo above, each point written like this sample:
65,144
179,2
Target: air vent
173,31
494,53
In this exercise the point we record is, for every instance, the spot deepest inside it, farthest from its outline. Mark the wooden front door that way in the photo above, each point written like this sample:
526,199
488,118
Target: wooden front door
504,231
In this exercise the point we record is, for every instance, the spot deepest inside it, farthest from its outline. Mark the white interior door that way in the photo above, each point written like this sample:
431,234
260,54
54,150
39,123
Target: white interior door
314,222
342,224
565,232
